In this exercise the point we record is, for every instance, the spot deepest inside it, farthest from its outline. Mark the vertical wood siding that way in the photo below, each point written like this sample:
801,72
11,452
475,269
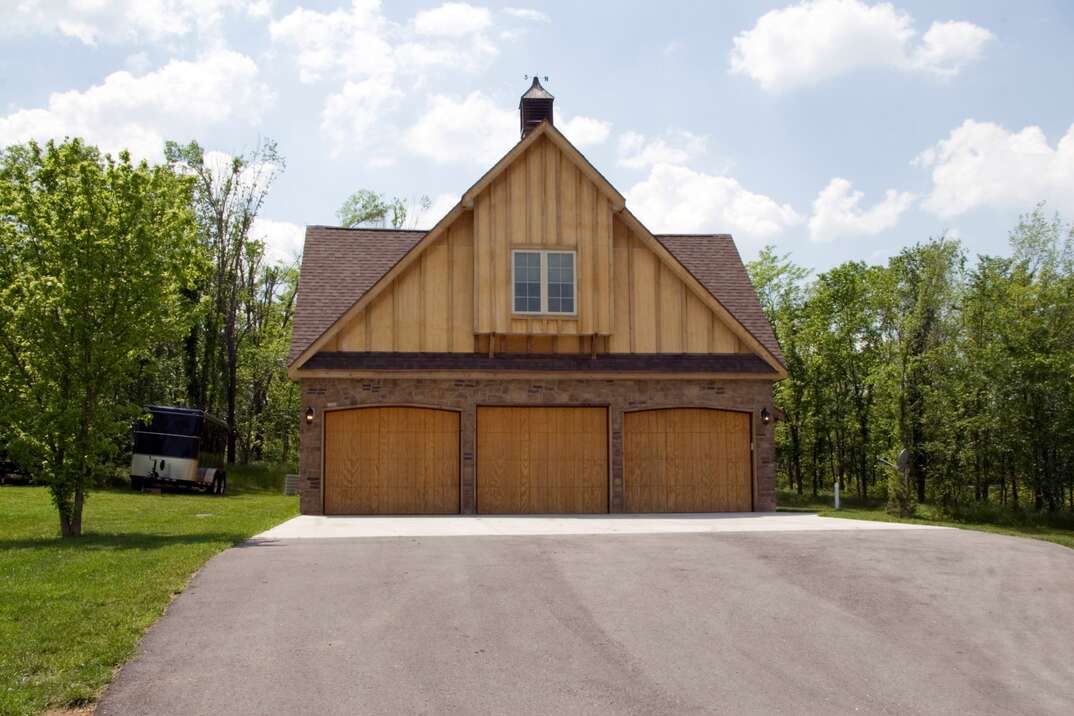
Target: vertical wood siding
458,292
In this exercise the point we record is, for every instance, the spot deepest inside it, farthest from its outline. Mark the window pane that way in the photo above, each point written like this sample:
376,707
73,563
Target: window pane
560,283
527,281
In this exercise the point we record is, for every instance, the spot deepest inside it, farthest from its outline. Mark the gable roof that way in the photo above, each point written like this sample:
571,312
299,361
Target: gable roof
714,261
340,265
545,129
349,265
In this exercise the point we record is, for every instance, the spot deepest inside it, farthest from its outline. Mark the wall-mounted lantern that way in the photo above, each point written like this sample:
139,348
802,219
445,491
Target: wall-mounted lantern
309,415
766,417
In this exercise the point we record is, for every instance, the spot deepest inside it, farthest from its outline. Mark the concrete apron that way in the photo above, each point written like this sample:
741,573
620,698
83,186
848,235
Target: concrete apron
318,527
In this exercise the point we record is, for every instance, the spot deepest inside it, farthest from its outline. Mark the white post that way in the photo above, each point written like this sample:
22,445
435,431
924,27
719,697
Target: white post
837,494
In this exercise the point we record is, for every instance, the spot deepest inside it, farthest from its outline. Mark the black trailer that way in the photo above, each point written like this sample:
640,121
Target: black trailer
180,446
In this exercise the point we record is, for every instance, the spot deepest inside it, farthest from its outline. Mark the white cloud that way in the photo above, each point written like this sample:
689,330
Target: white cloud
138,112
121,21
948,46
283,240
376,58
525,13
359,41
474,129
585,131
984,164
350,117
837,212
817,40
442,204
138,63
452,19
351,41
677,146
678,199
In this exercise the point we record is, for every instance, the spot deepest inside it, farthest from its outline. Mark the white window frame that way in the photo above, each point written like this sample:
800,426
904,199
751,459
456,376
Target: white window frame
544,253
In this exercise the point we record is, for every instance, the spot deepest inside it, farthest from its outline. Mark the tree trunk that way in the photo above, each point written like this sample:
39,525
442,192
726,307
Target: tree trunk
232,394
796,456
816,467
231,344
71,517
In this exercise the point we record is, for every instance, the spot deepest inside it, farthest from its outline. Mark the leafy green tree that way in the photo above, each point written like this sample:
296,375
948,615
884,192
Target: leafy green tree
780,286
228,194
369,208
94,252
268,399
918,303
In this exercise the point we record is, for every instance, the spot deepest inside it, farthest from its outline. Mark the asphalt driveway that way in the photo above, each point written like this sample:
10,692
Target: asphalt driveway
800,622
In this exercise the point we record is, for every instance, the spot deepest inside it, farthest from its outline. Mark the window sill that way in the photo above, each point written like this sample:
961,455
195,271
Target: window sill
544,316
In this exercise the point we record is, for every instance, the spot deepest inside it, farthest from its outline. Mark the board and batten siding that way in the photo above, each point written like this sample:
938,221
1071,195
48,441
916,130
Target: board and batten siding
457,294
542,201
428,307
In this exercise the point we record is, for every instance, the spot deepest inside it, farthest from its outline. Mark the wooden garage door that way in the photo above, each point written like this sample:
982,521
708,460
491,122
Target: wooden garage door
391,461
542,460
687,460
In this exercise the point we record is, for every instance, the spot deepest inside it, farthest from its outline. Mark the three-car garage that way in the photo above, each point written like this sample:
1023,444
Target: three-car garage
535,460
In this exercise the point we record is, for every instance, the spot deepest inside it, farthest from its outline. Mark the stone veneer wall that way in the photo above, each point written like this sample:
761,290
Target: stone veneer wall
466,395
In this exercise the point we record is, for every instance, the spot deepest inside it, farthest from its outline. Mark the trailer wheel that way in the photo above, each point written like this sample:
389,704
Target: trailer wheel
222,484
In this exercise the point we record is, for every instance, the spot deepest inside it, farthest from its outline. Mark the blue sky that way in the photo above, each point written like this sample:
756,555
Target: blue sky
834,129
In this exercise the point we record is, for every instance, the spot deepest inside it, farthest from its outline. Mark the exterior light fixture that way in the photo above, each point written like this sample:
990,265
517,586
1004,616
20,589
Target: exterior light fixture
309,415
766,417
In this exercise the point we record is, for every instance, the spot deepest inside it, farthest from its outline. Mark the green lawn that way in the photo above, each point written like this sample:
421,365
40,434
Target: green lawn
1058,529
71,611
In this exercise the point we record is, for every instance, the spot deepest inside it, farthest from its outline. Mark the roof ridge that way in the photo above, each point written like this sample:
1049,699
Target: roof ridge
697,236
367,228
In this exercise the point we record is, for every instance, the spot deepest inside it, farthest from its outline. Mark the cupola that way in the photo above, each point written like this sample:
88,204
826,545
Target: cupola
535,106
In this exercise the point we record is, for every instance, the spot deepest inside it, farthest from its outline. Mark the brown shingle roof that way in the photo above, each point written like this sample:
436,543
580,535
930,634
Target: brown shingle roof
340,265
714,261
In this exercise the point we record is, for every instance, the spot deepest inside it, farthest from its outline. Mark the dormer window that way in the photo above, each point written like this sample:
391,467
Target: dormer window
544,282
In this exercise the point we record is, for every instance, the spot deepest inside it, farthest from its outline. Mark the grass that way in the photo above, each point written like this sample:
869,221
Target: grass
995,519
72,611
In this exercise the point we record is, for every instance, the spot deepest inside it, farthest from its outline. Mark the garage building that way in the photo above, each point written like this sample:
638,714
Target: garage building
538,350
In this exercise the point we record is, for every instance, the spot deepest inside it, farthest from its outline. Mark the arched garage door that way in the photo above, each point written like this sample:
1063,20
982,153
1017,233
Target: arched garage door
687,460
391,461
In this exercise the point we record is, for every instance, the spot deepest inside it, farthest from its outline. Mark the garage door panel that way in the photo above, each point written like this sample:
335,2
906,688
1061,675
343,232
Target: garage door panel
391,460
542,460
687,460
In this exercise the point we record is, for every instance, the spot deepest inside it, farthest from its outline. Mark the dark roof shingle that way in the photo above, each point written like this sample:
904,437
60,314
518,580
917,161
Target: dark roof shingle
340,265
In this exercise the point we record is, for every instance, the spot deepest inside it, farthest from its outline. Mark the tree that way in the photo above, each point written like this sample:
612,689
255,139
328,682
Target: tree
918,305
268,399
780,286
369,208
94,252
228,194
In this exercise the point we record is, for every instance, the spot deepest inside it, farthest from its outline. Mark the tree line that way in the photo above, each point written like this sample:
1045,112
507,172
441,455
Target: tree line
124,284
966,363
